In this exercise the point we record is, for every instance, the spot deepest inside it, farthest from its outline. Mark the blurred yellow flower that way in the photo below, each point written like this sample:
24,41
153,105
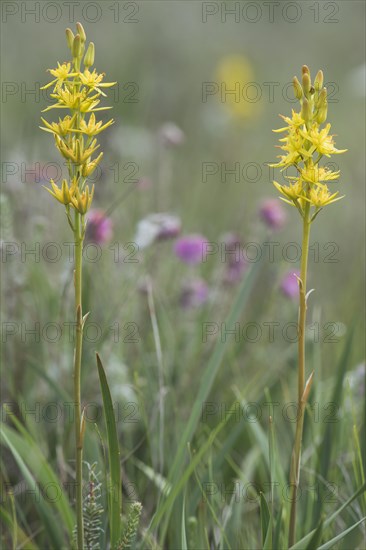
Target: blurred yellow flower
238,89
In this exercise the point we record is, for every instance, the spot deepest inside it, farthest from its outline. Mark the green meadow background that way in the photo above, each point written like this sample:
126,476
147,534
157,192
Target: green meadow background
164,55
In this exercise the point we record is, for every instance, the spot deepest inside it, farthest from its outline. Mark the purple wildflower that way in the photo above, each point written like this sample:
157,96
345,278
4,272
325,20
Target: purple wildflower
194,293
99,228
273,214
290,285
235,264
191,249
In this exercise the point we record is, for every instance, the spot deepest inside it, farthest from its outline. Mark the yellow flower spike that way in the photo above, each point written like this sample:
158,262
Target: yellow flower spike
79,92
305,143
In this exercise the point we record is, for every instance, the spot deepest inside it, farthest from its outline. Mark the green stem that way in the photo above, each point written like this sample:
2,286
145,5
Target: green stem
77,372
296,453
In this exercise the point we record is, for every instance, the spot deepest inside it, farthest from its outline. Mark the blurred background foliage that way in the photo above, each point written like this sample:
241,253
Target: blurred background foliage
162,63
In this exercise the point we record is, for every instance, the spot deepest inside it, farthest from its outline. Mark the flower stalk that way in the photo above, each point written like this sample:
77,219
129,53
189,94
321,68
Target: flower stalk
78,239
79,91
305,143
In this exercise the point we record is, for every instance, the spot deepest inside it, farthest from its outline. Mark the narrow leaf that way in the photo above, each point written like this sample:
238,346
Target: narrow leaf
266,523
43,508
331,543
305,540
114,487
317,537
184,545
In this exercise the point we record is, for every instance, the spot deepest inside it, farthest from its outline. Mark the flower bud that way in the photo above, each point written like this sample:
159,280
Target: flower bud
81,32
70,38
318,82
89,56
305,110
297,88
322,115
76,47
78,151
306,83
305,69
322,101
65,192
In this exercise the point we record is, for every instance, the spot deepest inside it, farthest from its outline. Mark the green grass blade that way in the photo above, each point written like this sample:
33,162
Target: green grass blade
208,378
159,481
38,464
115,493
165,508
330,433
277,529
266,523
316,538
331,543
184,544
305,540
19,535
44,509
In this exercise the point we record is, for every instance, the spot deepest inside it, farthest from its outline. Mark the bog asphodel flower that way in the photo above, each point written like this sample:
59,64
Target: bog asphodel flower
78,90
305,143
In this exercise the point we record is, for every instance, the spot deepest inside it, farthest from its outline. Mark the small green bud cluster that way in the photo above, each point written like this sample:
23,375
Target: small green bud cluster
312,97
